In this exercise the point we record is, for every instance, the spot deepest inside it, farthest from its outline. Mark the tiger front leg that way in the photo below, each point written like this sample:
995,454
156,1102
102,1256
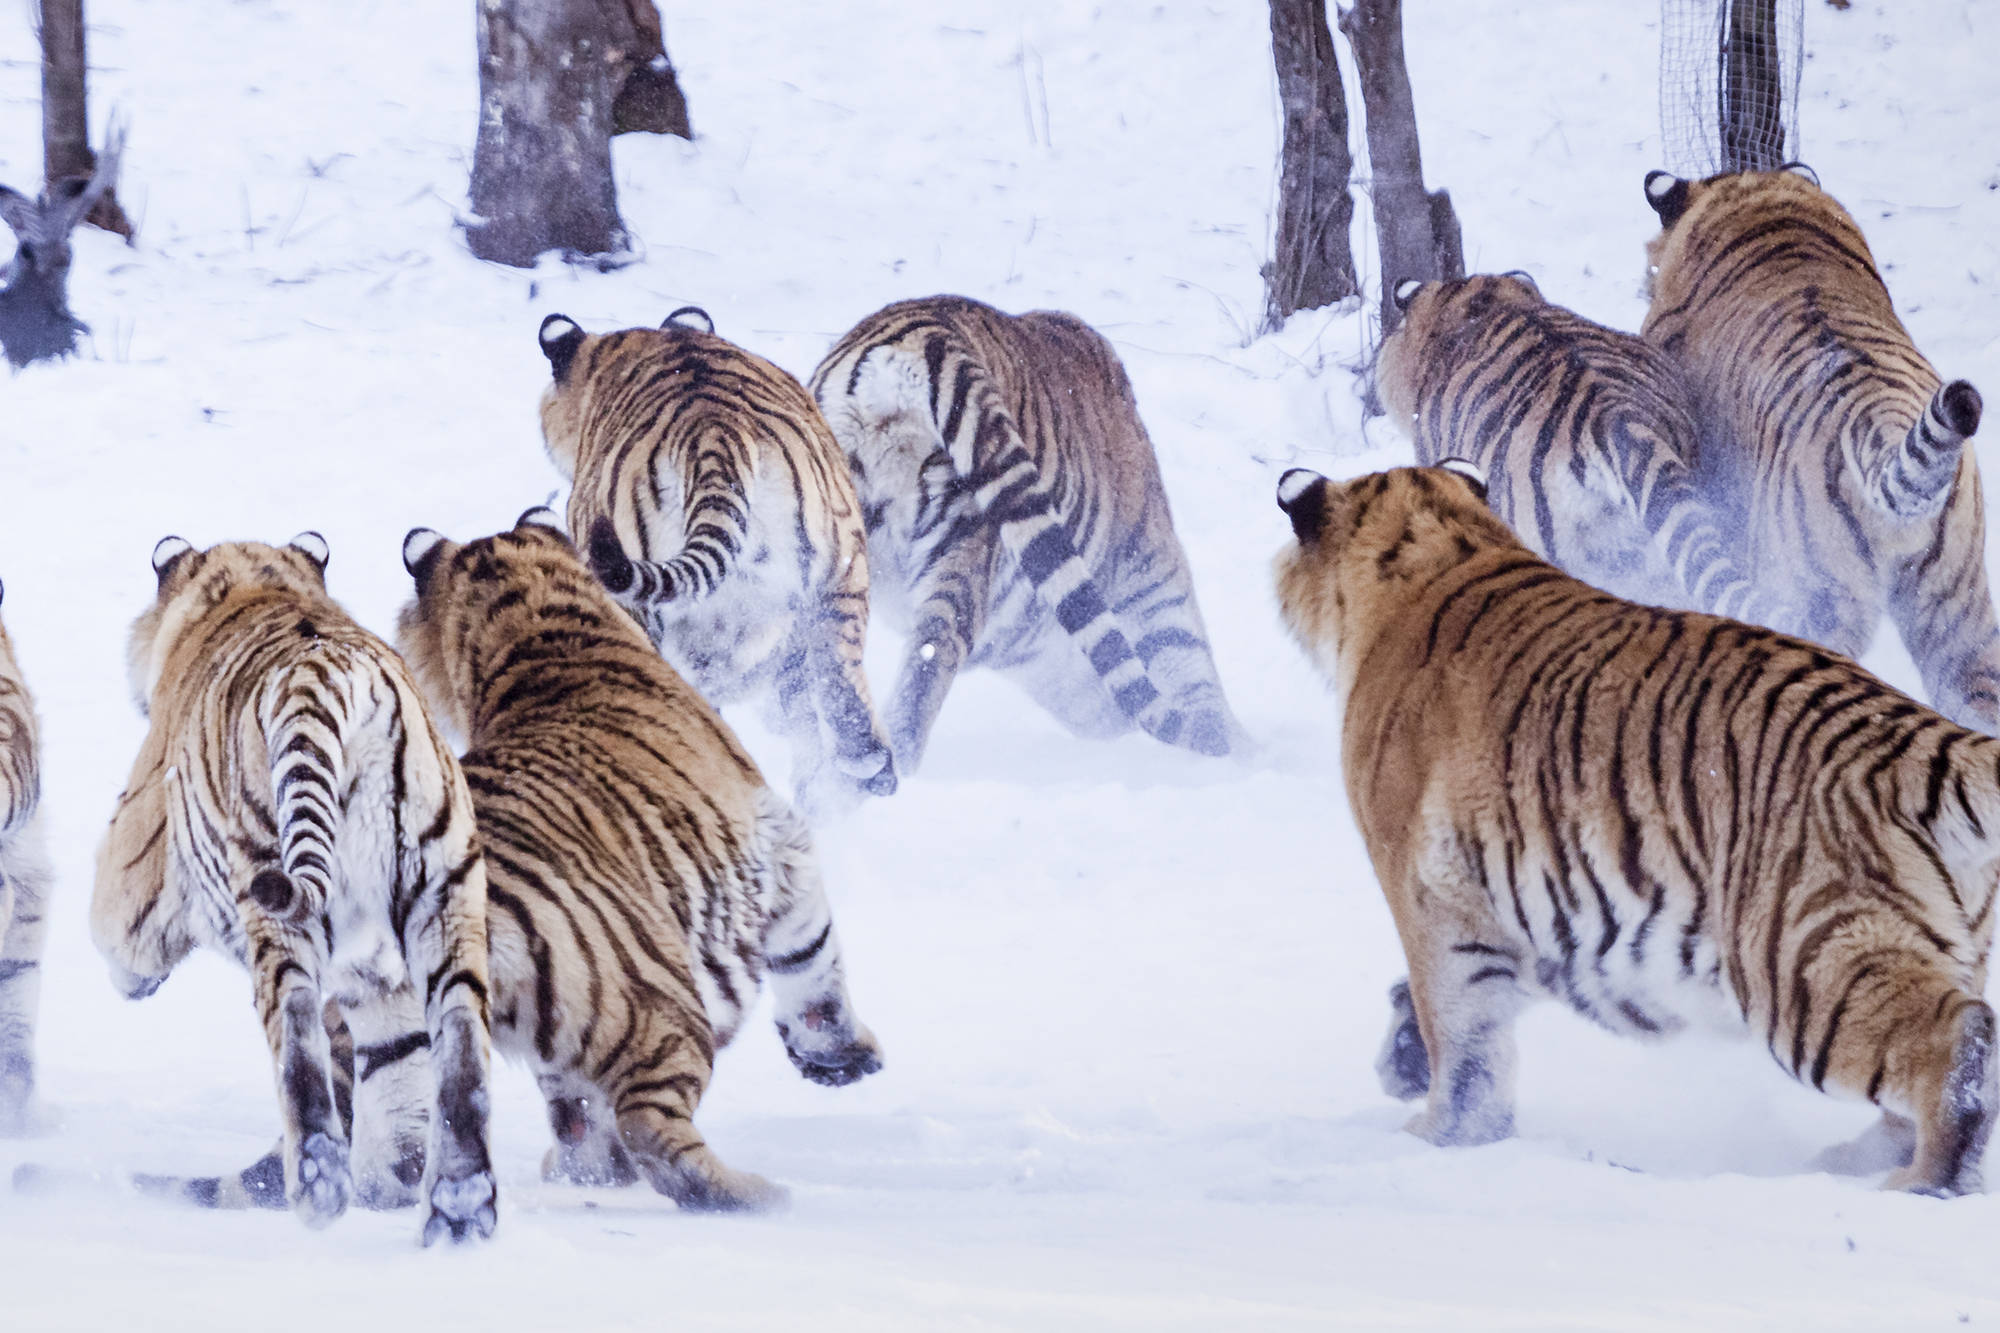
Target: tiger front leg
284,967
834,640
24,880
459,1196
815,1018
951,612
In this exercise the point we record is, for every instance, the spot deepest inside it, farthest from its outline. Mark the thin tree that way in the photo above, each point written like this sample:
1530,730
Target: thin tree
1751,89
551,73
1313,263
1416,229
66,111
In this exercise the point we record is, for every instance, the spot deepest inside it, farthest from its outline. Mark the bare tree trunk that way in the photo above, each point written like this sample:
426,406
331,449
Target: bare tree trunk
1751,89
1418,231
541,168
1314,260
649,99
66,109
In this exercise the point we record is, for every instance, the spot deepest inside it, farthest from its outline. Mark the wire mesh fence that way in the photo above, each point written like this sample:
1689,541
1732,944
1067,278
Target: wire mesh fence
1729,84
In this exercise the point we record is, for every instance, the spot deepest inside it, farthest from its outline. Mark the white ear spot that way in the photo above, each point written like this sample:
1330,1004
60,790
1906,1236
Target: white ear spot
311,545
1660,184
418,546
1466,468
540,516
169,550
556,329
1406,291
1294,484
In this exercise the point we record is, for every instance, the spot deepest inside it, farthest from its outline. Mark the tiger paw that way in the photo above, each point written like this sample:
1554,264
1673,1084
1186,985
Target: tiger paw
718,1189
834,1063
323,1182
464,1208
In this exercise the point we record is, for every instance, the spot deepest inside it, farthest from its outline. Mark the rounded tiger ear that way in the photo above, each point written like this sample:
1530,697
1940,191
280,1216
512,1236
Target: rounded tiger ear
1522,275
683,318
540,516
1302,495
1668,194
421,547
560,338
166,552
313,547
1406,292
1803,171
1473,474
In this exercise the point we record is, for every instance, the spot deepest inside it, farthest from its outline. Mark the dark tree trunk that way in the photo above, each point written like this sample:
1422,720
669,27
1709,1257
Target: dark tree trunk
1751,88
649,99
66,109
1314,260
541,168
1418,230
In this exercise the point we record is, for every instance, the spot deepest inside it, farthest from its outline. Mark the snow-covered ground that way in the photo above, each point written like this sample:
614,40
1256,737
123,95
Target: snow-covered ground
1129,998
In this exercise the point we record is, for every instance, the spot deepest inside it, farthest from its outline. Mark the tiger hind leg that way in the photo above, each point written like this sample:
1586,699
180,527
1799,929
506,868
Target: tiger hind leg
587,1150
317,1179
826,1042
24,880
678,1162
1954,1095
389,1057
834,642
459,1196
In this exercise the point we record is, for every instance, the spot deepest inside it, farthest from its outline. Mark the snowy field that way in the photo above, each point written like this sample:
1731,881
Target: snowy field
1129,998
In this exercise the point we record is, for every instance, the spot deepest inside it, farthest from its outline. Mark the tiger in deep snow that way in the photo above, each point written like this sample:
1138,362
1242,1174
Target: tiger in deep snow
24,888
1832,435
712,500
1014,504
1586,436
293,807
1654,816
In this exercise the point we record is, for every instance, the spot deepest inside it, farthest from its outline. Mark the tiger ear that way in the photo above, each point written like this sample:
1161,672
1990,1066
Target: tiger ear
1406,292
540,516
1522,275
313,547
682,319
1302,495
167,552
560,339
421,548
1668,194
1473,475
1803,171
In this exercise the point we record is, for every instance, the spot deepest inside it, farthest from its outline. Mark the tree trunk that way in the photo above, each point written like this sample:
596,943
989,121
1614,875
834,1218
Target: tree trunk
66,109
1751,88
541,168
649,99
1314,261
1418,231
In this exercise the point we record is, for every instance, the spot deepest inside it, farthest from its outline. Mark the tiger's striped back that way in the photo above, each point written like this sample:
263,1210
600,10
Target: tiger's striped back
713,501
24,887
1586,435
1837,439
1658,817
1013,499
642,878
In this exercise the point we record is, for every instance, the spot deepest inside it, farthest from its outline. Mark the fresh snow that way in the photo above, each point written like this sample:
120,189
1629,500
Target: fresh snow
1129,998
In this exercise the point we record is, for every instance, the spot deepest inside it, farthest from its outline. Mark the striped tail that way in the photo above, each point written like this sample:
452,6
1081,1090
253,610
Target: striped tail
1916,477
718,527
259,1185
303,738
986,447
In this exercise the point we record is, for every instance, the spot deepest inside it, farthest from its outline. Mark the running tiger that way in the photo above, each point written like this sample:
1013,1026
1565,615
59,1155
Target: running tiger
715,504
1655,816
1014,505
1586,435
1824,425
24,887
293,808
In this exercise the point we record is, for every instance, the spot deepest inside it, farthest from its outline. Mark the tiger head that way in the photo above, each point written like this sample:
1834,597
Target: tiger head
192,583
1437,318
1364,551
476,600
1695,214
577,360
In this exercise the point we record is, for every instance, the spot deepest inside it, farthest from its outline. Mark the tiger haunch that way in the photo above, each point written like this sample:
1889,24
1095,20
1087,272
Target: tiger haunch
293,807
1586,435
1657,817
714,502
24,888
1015,506
1836,446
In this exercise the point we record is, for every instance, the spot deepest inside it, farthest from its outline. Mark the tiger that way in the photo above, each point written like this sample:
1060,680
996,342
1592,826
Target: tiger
1014,507
1840,445
1658,817
641,878
713,502
24,889
1586,434
293,807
